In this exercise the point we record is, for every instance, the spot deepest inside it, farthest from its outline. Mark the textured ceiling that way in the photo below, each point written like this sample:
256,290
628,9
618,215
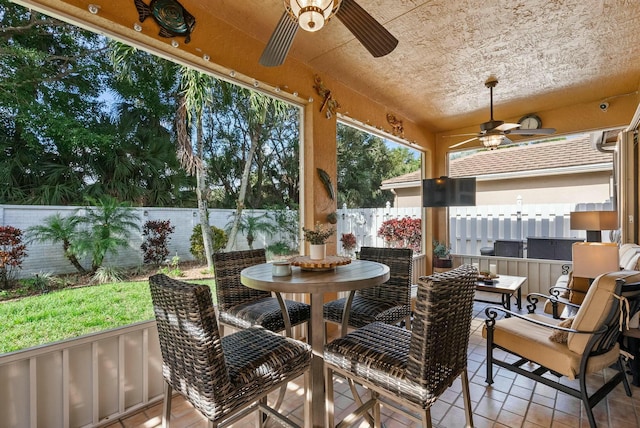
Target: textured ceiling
545,54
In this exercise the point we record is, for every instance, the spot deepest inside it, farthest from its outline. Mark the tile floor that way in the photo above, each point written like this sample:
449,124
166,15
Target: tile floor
512,401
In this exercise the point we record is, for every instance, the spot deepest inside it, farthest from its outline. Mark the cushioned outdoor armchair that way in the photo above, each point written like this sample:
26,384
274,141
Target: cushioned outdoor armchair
590,342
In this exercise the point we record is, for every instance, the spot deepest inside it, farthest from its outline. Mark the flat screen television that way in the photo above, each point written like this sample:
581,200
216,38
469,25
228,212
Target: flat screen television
449,192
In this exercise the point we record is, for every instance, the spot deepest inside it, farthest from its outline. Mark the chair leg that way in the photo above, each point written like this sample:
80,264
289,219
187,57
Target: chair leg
166,406
625,381
584,396
328,376
467,398
260,416
426,418
376,411
407,322
307,399
489,362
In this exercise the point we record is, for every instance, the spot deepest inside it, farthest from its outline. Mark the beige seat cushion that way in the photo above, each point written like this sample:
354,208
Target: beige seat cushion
596,307
532,342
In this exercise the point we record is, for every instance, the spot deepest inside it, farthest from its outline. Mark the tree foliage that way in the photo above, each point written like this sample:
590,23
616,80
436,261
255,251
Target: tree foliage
364,161
60,138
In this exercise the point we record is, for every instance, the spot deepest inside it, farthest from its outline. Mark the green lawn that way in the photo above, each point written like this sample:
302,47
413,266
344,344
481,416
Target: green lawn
74,312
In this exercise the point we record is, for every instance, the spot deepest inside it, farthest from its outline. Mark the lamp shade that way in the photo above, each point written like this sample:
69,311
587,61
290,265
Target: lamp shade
594,220
591,259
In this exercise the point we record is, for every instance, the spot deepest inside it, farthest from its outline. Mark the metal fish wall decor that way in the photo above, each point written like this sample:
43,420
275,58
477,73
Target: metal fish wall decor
173,19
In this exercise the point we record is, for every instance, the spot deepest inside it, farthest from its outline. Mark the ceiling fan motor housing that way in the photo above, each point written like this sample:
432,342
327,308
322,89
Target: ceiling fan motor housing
492,124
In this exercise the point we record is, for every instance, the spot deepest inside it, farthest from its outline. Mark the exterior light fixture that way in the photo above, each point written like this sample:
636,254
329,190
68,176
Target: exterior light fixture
137,27
94,8
312,14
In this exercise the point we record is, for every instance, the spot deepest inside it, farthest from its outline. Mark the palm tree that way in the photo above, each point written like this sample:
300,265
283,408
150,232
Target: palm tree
194,97
260,106
58,229
109,226
252,225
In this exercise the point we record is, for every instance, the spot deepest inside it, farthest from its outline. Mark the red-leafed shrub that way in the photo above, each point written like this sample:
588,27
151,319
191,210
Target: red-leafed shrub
156,238
402,233
12,253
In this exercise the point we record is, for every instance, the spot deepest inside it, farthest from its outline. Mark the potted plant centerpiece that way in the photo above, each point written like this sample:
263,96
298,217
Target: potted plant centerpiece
348,243
317,238
441,255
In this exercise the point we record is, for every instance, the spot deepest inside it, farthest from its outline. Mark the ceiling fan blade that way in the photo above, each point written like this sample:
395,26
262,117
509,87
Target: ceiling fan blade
373,36
462,135
280,42
540,131
461,143
507,126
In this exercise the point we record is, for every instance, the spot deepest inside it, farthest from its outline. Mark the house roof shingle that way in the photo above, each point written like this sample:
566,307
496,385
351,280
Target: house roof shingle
554,154
567,153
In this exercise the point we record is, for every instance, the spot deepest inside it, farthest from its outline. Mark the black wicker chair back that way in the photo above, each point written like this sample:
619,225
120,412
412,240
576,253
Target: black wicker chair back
229,290
441,327
389,302
400,261
222,377
240,306
411,369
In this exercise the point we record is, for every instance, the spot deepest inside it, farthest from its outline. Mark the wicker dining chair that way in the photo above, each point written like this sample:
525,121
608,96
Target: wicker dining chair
389,302
240,306
224,378
410,369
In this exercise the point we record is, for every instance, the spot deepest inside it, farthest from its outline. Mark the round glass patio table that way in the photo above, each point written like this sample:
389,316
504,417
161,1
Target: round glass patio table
357,275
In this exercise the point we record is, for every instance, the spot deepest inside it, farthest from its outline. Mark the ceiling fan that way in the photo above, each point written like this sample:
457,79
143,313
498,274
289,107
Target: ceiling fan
494,132
311,15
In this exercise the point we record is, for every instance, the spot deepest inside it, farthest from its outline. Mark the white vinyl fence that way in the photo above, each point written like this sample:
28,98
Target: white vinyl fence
471,228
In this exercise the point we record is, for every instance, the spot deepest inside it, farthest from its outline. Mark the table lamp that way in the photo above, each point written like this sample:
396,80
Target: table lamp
591,259
594,222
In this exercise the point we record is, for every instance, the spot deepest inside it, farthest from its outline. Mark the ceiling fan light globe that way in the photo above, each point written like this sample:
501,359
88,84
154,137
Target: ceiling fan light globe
312,14
310,20
491,141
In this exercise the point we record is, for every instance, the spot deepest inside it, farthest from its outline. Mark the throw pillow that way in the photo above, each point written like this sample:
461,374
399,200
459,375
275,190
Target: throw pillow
560,336
579,288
